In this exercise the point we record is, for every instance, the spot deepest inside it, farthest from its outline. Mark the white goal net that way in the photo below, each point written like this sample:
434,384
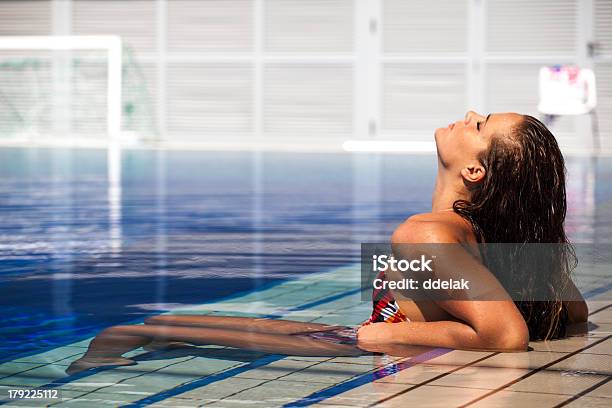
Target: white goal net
59,88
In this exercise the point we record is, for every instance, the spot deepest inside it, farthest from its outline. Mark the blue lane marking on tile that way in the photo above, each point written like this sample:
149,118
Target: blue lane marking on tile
326,300
200,382
363,379
312,304
597,291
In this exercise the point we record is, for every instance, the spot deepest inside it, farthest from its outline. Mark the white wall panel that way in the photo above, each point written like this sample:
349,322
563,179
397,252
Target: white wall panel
602,26
422,96
18,17
210,25
209,101
133,20
308,101
602,36
528,27
313,26
603,73
425,26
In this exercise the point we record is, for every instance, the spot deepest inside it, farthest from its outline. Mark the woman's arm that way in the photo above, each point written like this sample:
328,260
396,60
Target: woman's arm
494,324
577,310
448,334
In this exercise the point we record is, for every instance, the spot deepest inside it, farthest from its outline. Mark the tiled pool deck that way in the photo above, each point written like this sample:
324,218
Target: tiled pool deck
571,372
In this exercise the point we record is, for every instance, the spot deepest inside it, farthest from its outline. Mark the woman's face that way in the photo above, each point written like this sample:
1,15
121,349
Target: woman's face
461,142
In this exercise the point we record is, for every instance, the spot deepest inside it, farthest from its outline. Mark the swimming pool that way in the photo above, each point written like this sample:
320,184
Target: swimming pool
78,254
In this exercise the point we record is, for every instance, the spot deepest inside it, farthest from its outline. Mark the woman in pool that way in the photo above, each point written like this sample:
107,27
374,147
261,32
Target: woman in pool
501,179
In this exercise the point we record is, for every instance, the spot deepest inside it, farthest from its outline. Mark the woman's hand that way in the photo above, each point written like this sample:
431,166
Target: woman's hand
382,338
375,333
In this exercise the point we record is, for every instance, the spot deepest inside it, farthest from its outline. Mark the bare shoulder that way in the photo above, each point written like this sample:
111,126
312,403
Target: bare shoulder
441,227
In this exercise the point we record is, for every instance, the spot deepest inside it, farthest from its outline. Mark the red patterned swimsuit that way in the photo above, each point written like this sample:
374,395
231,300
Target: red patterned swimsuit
384,306
384,309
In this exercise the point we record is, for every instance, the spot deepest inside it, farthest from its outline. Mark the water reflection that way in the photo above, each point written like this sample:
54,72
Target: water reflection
114,198
94,239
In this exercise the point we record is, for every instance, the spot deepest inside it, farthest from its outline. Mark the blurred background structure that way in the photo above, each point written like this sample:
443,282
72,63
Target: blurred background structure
295,74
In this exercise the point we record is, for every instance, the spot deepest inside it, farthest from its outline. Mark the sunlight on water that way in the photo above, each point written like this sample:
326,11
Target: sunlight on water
88,240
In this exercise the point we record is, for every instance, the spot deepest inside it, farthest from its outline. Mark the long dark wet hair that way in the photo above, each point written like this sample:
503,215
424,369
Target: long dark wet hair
521,200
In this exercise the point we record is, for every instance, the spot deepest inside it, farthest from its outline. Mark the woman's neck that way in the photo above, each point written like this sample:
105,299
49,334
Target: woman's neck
446,191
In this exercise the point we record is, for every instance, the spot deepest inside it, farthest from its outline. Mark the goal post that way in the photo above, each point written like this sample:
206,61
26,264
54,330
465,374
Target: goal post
110,43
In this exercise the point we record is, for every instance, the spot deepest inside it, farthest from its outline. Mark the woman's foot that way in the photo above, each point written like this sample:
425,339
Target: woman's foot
159,345
83,363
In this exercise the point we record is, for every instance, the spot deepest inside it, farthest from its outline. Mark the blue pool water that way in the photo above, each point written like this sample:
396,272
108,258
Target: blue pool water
79,253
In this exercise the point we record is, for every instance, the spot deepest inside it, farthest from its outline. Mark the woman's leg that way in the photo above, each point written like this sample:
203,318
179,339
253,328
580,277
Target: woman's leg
251,324
108,346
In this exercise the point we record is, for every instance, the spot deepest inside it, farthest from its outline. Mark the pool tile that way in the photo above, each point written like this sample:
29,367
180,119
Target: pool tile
328,373
602,330
98,380
603,391
159,361
36,377
604,316
91,401
512,399
178,402
417,374
134,388
567,345
590,402
364,395
305,358
120,395
595,304
601,348
432,396
480,377
51,356
277,369
373,360
585,363
337,319
12,368
25,403
529,360
82,343
218,390
271,394
196,368
459,357
556,382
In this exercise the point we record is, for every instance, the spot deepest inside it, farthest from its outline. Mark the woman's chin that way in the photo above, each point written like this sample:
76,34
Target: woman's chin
439,134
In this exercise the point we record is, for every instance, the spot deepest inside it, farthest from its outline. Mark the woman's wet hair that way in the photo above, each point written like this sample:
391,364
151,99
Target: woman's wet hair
522,199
